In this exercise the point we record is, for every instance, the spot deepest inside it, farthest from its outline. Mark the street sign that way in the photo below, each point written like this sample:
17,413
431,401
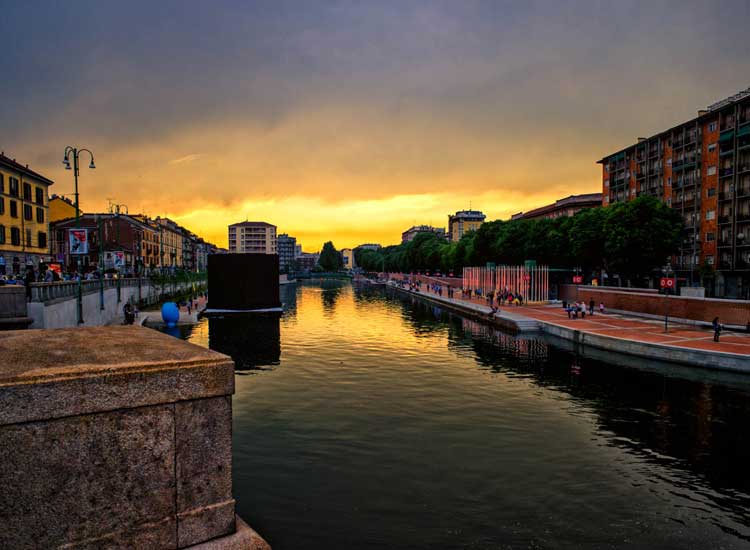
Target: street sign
577,279
667,282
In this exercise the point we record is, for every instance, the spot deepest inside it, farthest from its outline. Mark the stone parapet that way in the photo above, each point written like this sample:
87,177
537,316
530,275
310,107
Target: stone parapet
116,437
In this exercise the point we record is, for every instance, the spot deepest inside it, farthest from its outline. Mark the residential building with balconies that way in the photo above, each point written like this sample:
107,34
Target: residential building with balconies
702,169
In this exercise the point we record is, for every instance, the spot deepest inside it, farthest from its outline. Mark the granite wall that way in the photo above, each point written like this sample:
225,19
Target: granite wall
123,444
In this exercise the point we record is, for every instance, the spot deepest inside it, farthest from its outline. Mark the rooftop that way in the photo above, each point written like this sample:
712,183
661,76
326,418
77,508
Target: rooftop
25,170
247,223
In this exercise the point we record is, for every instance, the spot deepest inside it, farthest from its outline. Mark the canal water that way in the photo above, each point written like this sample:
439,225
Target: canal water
364,419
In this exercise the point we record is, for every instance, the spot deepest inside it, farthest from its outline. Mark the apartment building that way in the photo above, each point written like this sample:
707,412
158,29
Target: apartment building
464,221
347,255
286,247
253,237
702,169
413,231
24,217
569,206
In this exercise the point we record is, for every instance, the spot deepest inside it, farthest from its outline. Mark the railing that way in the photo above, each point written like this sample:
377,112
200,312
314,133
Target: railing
44,292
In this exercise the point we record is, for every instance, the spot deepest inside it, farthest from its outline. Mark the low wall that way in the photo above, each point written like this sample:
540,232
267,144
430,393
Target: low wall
13,312
116,437
650,302
54,305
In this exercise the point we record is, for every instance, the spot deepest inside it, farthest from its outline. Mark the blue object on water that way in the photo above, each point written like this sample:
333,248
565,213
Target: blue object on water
170,313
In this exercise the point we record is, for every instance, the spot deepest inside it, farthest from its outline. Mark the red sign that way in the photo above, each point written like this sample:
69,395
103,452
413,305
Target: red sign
667,282
577,279
527,277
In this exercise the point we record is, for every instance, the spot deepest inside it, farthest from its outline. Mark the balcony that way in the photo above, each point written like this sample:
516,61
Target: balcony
725,195
724,265
725,218
726,172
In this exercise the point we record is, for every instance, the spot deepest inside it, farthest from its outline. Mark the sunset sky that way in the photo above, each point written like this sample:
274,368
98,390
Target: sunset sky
351,121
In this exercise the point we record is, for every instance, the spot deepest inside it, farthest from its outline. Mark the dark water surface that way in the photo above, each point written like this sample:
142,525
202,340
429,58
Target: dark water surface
365,420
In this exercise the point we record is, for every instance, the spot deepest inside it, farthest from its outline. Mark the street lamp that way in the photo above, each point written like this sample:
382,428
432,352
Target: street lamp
71,153
115,210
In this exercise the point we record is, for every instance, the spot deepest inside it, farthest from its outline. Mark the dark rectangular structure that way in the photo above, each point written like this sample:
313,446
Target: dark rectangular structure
243,282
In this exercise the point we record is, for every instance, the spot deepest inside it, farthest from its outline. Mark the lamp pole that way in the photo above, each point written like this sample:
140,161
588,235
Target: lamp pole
115,209
667,273
101,263
72,153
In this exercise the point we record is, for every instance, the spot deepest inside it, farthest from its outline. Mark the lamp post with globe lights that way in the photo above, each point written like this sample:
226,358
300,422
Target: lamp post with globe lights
72,154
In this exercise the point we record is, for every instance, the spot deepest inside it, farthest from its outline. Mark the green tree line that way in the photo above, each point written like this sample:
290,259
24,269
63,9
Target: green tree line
630,239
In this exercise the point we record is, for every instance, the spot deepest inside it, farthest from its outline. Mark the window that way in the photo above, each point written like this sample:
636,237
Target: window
13,209
2,206
711,192
710,214
42,236
710,237
28,237
2,183
13,187
39,214
712,127
711,171
710,259
28,213
2,234
606,183
15,236
27,191
39,195
711,147
669,162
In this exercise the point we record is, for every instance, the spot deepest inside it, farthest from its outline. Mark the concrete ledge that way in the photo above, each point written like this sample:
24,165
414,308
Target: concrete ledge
64,372
114,437
243,539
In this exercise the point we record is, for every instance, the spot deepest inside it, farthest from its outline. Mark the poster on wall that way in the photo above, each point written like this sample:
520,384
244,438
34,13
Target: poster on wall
119,258
78,239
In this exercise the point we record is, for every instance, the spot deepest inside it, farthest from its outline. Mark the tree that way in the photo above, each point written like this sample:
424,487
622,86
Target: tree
640,235
330,258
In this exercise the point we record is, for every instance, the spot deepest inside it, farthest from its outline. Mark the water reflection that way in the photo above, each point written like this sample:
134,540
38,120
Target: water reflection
253,341
398,424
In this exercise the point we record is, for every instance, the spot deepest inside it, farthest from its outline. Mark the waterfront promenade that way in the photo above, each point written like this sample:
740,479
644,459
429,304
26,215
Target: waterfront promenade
618,332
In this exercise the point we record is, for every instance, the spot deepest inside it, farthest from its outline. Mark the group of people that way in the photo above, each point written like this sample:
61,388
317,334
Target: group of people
576,309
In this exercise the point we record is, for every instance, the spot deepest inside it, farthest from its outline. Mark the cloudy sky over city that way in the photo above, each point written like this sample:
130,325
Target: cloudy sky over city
352,121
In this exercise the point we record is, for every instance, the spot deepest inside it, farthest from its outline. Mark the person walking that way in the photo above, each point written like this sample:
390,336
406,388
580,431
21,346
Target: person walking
717,328
591,306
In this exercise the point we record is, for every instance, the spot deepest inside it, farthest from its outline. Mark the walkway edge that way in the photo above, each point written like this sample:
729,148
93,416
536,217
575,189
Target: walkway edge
713,360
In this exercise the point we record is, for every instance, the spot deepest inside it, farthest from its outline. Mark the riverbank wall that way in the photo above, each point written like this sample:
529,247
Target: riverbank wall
122,444
54,305
582,340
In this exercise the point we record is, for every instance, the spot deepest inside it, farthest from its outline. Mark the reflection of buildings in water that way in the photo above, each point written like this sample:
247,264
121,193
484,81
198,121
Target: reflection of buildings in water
532,349
252,341
288,294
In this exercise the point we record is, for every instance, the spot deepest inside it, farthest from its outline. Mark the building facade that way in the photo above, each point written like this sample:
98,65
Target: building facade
61,208
463,222
413,231
116,240
569,206
702,169
307,261
347,255
369,246
252,237
24,217
171,243
286,248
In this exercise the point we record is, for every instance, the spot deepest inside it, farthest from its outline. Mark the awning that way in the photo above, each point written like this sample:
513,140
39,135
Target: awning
744,131
727,135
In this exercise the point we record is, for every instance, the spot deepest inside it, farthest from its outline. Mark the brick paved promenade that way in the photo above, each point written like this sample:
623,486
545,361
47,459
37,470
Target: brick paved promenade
621,326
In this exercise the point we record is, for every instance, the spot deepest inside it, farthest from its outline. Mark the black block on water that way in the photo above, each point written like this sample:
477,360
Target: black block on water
243,282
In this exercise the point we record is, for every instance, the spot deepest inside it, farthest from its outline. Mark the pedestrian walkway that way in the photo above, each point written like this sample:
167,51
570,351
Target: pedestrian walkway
620,326
153,316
